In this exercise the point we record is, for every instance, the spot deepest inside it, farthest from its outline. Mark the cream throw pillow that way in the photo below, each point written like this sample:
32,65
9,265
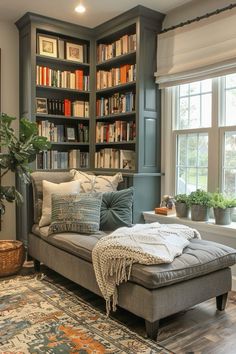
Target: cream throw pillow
92,183
50,188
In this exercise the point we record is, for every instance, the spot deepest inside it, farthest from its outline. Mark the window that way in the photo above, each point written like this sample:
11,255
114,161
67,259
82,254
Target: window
202,153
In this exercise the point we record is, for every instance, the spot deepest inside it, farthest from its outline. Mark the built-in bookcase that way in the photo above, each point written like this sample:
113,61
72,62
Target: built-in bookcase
62,100
109,121
116,74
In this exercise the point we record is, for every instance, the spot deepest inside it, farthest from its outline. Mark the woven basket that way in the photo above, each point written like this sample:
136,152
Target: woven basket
12,256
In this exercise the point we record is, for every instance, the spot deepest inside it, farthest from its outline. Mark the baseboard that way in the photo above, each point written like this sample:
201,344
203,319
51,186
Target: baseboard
234,283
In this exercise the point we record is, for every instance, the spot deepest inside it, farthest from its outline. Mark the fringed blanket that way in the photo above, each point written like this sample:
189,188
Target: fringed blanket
114,255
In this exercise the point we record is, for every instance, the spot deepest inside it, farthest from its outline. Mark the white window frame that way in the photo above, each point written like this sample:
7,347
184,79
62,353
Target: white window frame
215,140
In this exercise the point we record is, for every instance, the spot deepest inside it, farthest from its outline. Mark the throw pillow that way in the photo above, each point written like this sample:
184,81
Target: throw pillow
50,188
92,183
76,213
116,209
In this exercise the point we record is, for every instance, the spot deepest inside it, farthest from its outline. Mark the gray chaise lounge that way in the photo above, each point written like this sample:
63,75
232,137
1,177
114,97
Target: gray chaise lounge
153,292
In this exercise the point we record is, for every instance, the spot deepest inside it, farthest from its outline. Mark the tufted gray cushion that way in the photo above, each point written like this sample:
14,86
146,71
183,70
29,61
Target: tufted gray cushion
76,213
116,209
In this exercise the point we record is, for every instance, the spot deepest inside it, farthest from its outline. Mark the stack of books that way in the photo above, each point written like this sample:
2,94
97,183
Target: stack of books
117,103
124,45
116,76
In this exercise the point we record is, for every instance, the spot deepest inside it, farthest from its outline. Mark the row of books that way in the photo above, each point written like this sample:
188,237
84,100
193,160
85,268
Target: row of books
115,132
115,158
61,133
116,76
62,79
124,45
54,159
117,103
65,107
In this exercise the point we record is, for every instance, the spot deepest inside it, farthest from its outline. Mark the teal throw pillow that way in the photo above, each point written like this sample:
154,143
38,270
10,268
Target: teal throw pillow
75,213
116,209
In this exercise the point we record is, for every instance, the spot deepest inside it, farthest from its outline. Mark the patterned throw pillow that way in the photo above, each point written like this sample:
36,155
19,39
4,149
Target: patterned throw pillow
92,183
76,213
50,188
116,209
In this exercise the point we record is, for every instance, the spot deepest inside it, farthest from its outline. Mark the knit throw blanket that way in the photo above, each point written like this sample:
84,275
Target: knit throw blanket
114,254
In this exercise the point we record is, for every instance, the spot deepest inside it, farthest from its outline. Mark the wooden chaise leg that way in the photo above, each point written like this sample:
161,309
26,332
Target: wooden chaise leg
221,301
152,329
36,265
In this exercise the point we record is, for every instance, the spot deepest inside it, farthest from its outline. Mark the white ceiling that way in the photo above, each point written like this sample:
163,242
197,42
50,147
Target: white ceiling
98,11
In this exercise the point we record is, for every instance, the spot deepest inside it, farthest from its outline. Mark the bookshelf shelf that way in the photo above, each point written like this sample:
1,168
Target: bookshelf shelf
60,117
53,88
116,88
67,143
115,143
70,63
124,58
117,116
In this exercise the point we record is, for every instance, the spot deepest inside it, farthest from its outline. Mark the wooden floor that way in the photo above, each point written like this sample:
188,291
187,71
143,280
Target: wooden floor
199,330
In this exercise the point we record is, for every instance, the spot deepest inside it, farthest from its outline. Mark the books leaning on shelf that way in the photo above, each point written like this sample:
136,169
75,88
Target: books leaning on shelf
124,45
56,132
75,80
53,159
115,158
117,103
116,76
66,107
115,132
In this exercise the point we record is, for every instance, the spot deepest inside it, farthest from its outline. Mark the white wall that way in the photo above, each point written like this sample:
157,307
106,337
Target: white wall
10,105
193,9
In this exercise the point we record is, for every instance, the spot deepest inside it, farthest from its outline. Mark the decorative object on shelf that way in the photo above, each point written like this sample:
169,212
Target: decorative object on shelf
41,105
167,206
223,208
74,52
70,134
200,202
47,45
18,154
182,205
12,256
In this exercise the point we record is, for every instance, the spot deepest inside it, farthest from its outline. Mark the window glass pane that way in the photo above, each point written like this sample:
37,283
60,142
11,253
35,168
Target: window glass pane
194,87
206,107
229,167
184,90
230,81
194,105
230,107
192,162
184,113
206,85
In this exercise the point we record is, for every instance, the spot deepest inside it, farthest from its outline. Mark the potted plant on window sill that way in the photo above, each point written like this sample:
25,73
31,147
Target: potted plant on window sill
223,208
200,202
182,205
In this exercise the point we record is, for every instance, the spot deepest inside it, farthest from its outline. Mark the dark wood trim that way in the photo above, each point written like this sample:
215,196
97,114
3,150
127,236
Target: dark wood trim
221,301
152,329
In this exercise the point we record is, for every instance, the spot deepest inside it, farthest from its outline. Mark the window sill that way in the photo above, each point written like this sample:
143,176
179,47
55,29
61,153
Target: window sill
204,226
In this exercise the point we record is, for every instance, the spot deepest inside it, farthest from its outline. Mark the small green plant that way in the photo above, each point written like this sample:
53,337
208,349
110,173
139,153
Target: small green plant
182,198
222,202
17,153
200,197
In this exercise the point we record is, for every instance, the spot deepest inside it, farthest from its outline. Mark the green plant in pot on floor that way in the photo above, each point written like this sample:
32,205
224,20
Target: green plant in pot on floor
17,153
200,202
223,208
182,205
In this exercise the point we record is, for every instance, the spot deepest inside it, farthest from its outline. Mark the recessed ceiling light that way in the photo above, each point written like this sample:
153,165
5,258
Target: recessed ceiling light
80,9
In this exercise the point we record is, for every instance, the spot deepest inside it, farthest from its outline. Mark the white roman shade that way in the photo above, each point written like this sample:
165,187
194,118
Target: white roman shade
200,50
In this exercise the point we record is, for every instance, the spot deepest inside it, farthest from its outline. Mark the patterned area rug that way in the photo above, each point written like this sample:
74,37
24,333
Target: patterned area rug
37,316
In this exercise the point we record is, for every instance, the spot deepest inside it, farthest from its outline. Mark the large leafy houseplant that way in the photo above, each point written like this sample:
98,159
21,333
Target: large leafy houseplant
17,153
